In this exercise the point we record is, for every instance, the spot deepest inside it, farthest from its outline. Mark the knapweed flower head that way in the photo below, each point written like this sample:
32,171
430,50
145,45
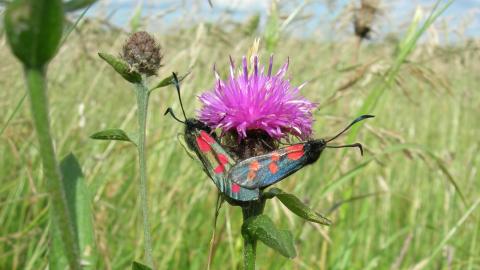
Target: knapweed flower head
142,53
257,102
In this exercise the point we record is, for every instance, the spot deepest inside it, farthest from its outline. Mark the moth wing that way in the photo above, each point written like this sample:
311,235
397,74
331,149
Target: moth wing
268,169
216,163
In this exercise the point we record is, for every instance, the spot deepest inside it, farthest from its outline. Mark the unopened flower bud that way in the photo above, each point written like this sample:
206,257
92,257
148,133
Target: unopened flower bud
142,53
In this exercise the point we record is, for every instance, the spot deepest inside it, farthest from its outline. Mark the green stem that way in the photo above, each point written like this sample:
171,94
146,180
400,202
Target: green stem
249,253
254,208
36,84
142,107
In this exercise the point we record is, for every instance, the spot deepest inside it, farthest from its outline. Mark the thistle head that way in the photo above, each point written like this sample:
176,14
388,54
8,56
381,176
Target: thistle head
142,53
260,105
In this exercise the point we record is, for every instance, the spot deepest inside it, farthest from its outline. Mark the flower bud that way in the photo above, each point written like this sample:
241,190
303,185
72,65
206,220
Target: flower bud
142,53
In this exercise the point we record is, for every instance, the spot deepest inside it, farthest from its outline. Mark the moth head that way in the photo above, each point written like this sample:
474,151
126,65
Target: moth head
313,149
192,123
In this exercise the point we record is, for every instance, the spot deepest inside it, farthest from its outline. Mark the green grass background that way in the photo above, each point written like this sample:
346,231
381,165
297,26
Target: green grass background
393,208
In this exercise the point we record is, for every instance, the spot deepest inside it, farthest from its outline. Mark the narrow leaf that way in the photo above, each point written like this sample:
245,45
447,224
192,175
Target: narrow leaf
79,206
452,232
333,185
295,205
73,5
272,29
34,29
262,228
405,49
169,80
121,67
114,135
139,266
136,19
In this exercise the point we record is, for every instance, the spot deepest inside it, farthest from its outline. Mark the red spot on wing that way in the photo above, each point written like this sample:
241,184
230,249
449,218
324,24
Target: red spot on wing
235,188
222,159
275,156
295,147
207,137
254,166
203,145
219,169
251,175
295,152
273,167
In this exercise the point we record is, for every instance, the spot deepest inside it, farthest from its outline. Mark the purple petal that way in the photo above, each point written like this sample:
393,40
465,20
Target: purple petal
259,102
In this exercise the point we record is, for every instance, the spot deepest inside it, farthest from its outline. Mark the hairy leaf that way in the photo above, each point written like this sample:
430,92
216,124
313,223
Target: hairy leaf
297,206
139,266
262,228
122,68
80,210
114,135
169,80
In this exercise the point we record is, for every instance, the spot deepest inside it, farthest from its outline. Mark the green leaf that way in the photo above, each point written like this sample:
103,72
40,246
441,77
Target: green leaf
114,135
452,232
262,228
122,68
34,29
79,207
272,29
139,266
73,5
169,80
136,19
297,206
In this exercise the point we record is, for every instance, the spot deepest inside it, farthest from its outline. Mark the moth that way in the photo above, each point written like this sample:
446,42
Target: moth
242,180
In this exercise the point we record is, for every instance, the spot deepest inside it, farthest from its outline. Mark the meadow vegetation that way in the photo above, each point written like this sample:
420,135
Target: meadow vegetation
403,205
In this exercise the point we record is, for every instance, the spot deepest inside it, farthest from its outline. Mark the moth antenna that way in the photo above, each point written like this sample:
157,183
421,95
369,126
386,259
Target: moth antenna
358,119
177,86
348,145
170,111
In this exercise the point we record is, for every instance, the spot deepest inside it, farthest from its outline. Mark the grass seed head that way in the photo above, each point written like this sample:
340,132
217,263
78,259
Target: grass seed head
363,18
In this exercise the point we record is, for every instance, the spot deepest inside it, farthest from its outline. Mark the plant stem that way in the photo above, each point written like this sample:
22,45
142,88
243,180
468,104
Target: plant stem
254,208
249,253
36,84
142,107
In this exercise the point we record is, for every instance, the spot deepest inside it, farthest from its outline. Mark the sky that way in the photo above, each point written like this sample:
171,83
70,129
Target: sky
462,15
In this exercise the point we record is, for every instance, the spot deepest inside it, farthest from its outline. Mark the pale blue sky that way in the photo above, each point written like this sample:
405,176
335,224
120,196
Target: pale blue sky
396,16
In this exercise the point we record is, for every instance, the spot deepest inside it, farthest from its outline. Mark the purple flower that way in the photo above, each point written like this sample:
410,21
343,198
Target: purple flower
257,101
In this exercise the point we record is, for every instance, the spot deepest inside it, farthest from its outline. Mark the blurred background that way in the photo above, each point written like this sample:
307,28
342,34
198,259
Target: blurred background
403,205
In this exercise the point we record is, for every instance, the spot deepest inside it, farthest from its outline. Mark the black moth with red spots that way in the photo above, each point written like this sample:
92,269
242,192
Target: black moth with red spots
242,181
